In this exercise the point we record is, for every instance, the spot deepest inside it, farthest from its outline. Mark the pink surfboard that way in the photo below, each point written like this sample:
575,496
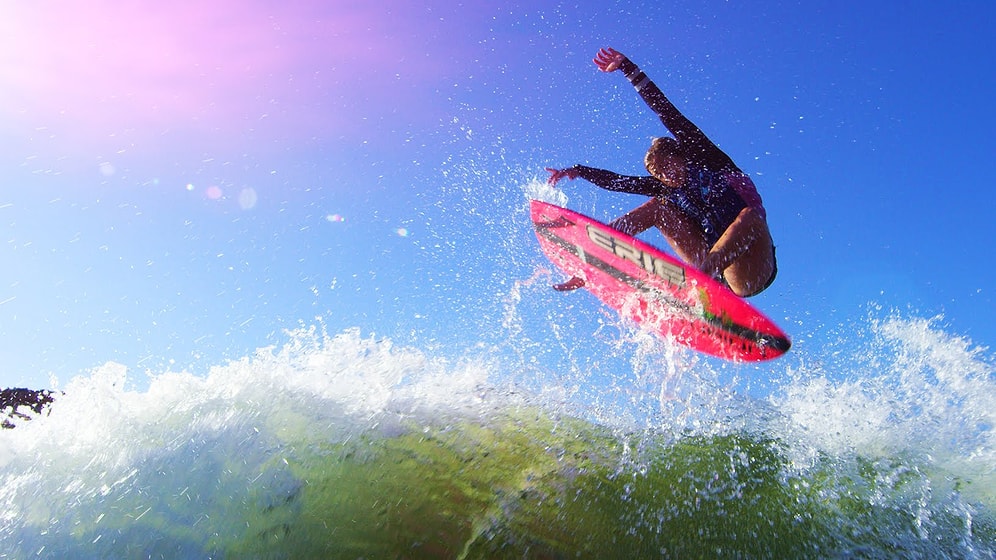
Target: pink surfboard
655,290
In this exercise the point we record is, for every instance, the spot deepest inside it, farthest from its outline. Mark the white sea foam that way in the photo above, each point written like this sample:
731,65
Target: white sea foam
918,392
343,380
923,400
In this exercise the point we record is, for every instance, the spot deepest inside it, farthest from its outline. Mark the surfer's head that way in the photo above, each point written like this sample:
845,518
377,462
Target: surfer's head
665,162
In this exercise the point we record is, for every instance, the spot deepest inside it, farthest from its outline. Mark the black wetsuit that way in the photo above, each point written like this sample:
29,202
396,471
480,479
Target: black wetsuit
716,190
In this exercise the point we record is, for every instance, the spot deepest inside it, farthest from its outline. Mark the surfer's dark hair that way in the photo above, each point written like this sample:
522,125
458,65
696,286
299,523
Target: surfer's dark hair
661,147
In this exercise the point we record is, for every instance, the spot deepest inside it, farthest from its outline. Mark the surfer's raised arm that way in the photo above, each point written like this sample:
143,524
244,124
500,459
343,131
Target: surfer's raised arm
707,208
694,142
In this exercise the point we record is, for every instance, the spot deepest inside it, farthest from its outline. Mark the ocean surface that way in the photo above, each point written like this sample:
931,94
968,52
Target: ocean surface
345,445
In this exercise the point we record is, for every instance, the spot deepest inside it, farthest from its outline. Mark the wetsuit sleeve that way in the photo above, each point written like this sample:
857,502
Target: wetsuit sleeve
608,180
693,141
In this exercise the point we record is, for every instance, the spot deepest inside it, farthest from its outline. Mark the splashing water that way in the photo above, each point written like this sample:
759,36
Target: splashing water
350,446
919,393
342,446
541,190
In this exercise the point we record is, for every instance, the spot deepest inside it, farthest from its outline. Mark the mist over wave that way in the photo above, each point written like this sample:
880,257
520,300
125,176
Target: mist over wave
913,390
343,444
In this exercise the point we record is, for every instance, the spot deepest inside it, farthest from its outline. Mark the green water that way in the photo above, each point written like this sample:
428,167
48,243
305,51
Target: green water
350,448
520,484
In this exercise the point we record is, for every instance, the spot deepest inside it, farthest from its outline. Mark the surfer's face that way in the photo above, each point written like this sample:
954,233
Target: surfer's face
667,168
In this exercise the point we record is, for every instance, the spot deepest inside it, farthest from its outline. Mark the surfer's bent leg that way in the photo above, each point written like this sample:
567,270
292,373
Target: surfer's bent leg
640,219
682,233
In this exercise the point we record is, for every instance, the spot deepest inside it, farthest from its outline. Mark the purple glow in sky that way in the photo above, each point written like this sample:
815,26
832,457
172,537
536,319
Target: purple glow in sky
122,75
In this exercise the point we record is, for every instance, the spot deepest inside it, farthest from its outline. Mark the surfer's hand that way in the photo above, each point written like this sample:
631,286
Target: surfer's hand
557,174
609,59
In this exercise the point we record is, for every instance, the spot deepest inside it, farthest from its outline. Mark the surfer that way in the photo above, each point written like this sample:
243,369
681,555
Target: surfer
707,208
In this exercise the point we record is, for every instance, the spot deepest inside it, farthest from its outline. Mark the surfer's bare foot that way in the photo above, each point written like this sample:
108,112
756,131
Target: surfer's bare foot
572,284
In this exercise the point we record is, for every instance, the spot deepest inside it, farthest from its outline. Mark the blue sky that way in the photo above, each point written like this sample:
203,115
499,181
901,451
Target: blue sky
182,183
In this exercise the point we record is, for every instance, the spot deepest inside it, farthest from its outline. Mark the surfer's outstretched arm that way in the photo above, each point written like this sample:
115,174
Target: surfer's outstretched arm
609,180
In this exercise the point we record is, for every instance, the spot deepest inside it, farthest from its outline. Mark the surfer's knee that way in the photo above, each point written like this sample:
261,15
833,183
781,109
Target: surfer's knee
752,273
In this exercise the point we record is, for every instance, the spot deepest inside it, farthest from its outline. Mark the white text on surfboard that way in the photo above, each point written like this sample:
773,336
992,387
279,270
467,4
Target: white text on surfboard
670,273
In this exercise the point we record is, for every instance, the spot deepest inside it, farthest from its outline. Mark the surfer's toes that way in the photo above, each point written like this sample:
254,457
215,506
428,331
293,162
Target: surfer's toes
572,284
